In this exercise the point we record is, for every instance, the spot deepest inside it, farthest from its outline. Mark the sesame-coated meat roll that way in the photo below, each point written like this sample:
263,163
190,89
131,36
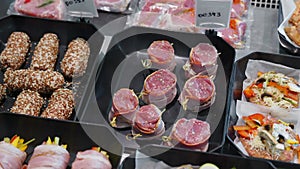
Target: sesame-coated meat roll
60,105
45,53
2,92
76,58
14,54
36,80
28,102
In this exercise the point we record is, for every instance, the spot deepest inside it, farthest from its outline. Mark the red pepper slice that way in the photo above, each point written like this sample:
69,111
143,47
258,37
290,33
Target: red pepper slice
26,1
257,117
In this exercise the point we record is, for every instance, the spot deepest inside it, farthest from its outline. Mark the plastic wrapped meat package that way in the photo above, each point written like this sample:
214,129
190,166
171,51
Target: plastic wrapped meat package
179,15
51,9
123,6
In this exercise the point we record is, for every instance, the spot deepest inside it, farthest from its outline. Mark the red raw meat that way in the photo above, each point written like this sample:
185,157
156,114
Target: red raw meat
203,54
198,93
91,159
202,60
161,54
52,9
192,132
159,86
147,119
10,156
125,103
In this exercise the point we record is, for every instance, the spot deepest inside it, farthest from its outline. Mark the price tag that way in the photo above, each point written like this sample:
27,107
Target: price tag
81,8
213,13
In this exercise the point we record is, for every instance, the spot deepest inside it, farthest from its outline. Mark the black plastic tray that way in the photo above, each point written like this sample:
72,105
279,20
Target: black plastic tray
176,157
66,31
77,136
121,68
239,76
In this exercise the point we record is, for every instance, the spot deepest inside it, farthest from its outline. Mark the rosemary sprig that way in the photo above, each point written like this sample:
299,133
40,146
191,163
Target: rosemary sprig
47,2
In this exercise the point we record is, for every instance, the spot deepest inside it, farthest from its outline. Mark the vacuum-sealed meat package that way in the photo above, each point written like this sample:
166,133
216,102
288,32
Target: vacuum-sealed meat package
51,9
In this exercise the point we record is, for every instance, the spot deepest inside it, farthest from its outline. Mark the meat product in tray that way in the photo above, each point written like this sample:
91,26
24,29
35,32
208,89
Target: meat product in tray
41,69
36,80
12,152
264,136
45,53
3,94
273,89
159,88
14,54
49,155
161,55
124,105
122,67
76,58
147,121
198,93
190,133
52,9
60,105
93,158
202,60
28,102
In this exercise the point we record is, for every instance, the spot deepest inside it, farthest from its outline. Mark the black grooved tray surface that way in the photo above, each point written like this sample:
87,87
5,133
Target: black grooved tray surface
239,76
77,136
66,32
174,158
121,68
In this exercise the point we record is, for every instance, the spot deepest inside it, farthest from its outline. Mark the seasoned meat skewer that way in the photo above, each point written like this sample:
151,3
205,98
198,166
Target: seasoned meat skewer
36,80
28,102
45,53
17,46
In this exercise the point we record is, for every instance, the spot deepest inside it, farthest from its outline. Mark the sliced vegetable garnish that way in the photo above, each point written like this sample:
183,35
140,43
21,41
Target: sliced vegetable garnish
55,142
18,142
102,151
45,3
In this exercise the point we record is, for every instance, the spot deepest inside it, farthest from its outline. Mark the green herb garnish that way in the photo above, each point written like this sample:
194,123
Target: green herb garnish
47,2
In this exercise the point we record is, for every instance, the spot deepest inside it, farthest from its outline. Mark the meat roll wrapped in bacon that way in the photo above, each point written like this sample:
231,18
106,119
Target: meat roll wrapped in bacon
76,58
161,55
159,88
49,155
148,120
198,93
12,152
14,54
202,60
61,105
124,105
28,102
93,158
35,80
45,53
190,133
